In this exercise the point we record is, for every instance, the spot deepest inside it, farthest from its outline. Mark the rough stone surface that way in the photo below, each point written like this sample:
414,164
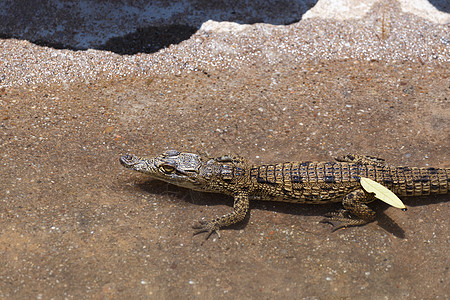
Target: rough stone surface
75,224
348,9
426,10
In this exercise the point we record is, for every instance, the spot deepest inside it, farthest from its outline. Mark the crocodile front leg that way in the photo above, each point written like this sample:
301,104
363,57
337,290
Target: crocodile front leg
240,208
355,212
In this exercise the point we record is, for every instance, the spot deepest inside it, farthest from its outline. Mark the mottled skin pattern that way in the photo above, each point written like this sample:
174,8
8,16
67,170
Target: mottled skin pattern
295,182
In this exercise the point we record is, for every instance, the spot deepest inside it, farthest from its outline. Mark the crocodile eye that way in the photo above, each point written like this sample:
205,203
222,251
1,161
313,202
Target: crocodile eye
167,169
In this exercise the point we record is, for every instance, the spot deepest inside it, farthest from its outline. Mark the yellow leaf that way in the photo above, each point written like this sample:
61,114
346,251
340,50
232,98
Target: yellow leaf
381,192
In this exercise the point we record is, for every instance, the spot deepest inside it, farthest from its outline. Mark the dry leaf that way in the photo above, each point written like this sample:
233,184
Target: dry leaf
381,192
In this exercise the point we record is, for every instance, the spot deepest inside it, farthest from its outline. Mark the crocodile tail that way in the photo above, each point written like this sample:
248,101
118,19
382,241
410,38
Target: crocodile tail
421,181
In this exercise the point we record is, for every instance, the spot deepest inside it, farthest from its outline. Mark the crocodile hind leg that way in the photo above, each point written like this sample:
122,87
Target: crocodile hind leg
240,209
355,212
361,159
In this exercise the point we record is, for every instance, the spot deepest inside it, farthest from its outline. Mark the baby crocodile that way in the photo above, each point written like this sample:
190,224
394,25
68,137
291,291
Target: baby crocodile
295,182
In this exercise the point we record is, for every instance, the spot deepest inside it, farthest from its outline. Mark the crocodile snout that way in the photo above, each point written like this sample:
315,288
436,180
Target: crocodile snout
126,159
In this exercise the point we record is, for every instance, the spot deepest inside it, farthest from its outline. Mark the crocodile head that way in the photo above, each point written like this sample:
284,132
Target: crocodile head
178,168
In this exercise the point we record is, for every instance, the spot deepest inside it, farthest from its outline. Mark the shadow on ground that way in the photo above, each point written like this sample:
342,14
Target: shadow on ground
156,187
443,6
130,28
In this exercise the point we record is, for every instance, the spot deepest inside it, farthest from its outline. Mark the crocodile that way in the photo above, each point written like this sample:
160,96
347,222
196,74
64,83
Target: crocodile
296,182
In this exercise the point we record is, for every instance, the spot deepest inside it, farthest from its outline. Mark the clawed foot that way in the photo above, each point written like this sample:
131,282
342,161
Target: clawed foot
208,227
341,219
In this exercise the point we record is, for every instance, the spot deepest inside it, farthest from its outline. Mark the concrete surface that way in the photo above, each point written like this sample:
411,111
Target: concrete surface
261,80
